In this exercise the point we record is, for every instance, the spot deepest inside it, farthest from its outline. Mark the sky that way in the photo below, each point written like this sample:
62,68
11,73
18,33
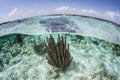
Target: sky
17,9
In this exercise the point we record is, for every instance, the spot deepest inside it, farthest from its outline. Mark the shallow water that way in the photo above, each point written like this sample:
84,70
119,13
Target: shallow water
77,24
23,57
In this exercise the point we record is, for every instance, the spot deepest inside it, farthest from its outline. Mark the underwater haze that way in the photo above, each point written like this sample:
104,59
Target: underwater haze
94,45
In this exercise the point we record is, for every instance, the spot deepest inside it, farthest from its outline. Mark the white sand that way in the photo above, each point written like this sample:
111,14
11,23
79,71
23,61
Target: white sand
90,62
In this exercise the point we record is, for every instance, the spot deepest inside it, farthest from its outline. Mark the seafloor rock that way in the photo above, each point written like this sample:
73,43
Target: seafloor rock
1,65
39,48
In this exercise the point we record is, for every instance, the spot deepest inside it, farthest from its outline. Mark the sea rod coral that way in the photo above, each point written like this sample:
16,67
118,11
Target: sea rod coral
58,53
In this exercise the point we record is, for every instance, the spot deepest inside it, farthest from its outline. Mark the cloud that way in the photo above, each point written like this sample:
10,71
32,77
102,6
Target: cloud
63,8
109,15
112,14
0,18
70,10
89,11
13,12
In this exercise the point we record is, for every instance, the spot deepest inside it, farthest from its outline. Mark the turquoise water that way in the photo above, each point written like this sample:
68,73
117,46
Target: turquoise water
77,24
23,57
94,46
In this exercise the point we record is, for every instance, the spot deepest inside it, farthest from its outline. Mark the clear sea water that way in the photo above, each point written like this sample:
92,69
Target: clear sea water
94,46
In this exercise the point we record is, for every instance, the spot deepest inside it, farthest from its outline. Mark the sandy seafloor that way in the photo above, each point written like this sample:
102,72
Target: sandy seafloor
95,49
93,59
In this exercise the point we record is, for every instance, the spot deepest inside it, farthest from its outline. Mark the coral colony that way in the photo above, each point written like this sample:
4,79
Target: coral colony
58,53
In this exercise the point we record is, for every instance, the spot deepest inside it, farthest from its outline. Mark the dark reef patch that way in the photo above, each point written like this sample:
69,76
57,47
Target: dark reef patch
58,24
